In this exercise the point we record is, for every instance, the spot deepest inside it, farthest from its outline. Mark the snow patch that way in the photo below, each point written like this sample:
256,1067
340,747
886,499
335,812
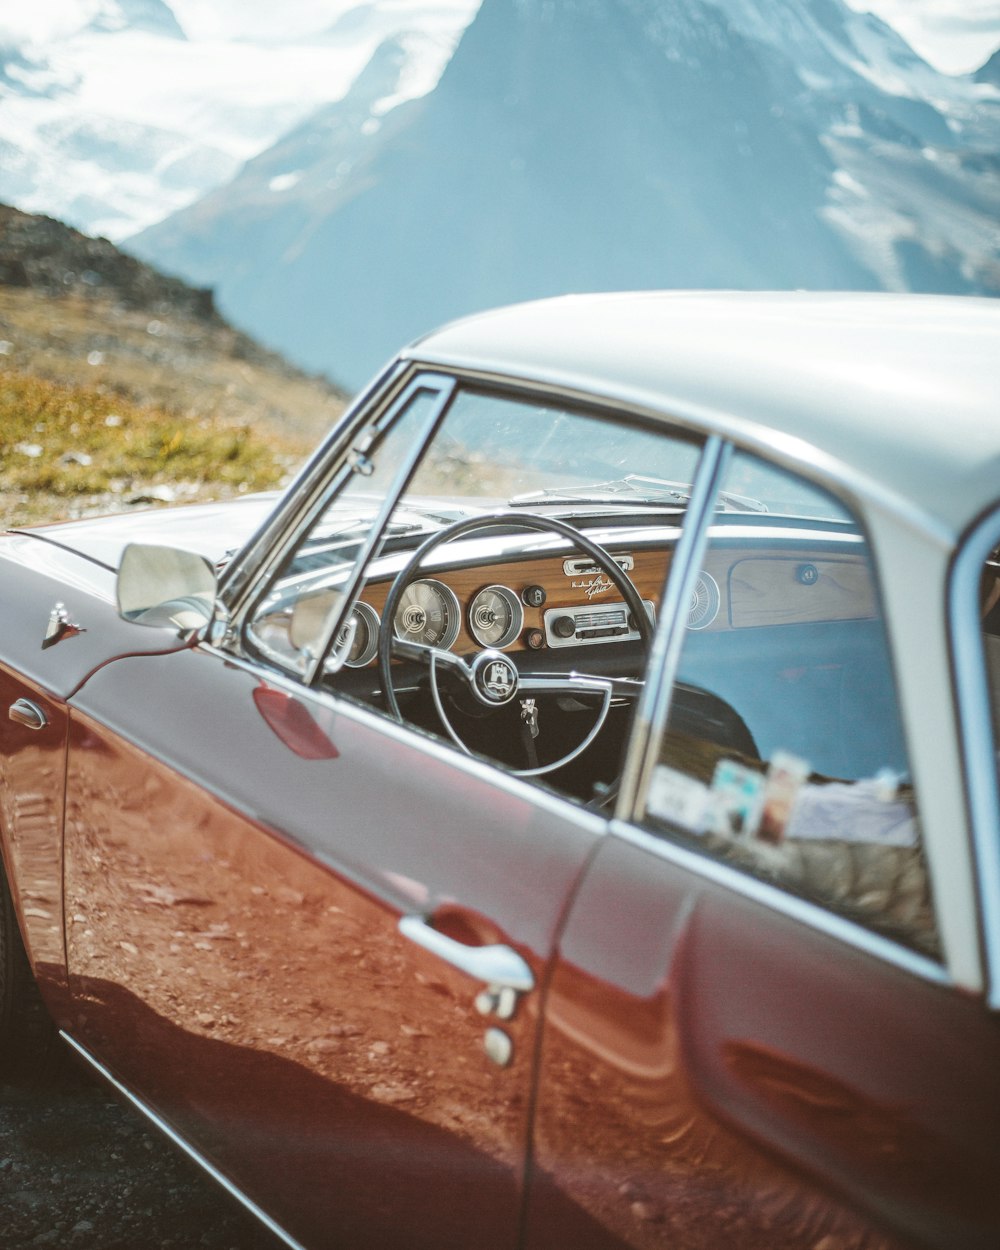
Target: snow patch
284,182
147,124
847,182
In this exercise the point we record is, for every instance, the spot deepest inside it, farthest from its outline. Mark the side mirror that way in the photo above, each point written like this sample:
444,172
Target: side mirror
165,587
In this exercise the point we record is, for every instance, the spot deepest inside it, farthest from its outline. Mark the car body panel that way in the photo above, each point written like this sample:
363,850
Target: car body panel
734,1060
212,530
32,776
225,938
40,577
37,579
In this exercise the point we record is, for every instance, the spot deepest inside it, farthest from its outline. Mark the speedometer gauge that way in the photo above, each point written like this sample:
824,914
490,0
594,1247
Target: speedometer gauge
495,616
428,613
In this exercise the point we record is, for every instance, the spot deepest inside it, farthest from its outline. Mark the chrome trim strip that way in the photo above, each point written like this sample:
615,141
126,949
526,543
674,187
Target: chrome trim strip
810,914
978,748
180,1142
664,657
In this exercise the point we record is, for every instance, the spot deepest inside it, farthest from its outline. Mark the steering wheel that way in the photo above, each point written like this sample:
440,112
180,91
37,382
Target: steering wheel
491,677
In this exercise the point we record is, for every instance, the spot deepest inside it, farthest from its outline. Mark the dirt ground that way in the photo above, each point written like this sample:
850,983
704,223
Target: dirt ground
79,1169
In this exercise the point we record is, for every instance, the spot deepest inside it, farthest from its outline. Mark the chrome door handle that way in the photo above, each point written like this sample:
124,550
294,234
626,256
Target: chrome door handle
498,966
29,714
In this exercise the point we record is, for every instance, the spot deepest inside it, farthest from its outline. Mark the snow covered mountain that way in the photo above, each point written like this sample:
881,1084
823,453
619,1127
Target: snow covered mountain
119,117
587,144
990,72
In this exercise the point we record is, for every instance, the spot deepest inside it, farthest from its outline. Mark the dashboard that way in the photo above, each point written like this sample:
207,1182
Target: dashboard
562,601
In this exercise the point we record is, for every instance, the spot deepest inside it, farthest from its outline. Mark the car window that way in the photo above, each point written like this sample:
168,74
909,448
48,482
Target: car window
506,585
783,753
291,622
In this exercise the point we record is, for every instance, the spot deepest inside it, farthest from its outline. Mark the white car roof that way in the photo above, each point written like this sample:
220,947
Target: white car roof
896,395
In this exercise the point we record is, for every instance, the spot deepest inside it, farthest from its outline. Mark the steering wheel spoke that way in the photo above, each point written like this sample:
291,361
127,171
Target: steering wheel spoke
578,683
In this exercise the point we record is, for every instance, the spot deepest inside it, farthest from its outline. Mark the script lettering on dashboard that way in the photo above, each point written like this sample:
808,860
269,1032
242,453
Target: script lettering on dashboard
598,585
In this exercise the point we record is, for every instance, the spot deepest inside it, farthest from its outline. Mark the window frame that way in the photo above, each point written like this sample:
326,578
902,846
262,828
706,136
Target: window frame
978,748
332,473
654,711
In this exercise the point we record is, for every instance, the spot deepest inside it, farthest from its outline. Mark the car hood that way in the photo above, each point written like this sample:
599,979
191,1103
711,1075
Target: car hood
214,530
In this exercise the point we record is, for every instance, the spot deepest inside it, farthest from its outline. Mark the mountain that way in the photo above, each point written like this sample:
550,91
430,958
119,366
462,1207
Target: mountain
990,72
121,116
588,144
152,16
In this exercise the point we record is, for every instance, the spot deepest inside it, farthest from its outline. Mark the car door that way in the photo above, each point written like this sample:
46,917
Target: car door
751,1039
312,939
237,867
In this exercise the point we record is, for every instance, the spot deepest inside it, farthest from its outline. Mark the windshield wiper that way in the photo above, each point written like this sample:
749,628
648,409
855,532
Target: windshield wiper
630,490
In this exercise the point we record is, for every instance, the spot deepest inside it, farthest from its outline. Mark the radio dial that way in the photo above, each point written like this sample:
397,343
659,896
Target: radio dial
564,627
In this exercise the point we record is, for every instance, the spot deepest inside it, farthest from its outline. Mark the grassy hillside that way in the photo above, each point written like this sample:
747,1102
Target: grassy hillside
120,387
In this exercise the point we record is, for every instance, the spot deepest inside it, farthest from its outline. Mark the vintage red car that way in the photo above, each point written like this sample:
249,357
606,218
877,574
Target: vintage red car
568,816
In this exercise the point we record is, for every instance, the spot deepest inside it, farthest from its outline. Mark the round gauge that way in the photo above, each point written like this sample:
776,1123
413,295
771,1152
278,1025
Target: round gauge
704,607
428,613
495,616
365,644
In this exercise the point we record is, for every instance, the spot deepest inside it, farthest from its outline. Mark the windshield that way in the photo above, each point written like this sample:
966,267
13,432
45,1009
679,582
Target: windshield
490,447
503,452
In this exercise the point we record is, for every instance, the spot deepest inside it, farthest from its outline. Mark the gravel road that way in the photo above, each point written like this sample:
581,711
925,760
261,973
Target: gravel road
79,1169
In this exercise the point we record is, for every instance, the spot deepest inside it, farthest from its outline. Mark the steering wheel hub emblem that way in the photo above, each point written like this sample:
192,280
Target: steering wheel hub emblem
495,677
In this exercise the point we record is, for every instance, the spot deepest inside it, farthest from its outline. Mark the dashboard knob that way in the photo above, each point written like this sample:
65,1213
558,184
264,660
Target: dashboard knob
533,596
564,627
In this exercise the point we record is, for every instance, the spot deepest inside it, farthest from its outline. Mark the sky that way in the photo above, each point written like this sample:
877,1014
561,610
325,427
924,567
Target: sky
954,35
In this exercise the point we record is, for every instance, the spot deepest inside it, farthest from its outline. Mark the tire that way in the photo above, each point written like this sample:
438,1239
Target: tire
27,1034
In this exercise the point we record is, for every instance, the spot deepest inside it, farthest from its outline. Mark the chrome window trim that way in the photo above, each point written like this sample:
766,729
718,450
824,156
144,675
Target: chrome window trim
812,915
713,428
319,492
303,498
192,1152
978,749
668,640
445,389
243,570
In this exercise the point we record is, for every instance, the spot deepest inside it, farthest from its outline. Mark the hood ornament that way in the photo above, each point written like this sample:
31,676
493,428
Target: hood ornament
60,627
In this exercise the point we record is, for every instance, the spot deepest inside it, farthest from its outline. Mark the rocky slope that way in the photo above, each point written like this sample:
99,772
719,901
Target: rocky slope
87,328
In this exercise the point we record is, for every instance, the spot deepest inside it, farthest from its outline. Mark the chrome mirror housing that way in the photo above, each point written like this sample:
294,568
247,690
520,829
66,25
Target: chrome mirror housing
165,587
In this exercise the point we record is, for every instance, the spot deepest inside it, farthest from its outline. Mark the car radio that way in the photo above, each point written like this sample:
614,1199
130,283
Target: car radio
577,626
